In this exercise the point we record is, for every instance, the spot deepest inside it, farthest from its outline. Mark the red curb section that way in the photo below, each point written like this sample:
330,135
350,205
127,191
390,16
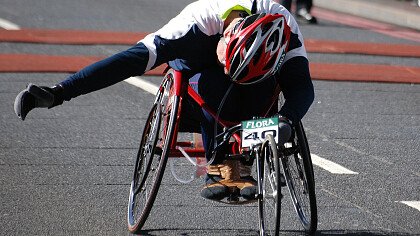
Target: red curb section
44,63
321,71
329,46
365,73
55,64
80,37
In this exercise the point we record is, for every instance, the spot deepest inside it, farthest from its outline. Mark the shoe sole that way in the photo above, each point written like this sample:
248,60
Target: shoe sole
18,105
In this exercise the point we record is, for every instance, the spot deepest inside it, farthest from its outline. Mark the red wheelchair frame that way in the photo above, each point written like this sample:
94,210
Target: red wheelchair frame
181,88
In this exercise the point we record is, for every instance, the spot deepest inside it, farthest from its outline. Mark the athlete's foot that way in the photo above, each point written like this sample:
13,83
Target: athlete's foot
248,187
214,190
35,96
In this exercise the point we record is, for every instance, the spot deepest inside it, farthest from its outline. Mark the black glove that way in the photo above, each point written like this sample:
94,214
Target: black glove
285,130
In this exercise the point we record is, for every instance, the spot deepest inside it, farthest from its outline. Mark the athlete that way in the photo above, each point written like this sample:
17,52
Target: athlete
235,52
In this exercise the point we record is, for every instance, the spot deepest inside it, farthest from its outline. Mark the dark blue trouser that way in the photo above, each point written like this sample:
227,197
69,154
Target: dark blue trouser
109,71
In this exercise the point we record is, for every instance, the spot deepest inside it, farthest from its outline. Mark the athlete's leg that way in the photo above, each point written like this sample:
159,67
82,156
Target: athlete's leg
212,85
232,102
94,77
109,71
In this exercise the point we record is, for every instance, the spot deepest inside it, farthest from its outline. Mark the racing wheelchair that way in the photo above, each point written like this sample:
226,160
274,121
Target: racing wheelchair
276,166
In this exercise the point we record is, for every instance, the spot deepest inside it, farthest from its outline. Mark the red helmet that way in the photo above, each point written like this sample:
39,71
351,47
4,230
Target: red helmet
257,47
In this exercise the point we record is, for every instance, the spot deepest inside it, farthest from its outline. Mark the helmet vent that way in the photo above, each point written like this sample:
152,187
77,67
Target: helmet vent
232,45
243,73
270,63
235,64
266,28
274,38
257,55
249,20
250,40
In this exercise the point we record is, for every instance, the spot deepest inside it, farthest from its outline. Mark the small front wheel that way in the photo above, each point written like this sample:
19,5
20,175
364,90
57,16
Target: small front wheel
269,202
152,155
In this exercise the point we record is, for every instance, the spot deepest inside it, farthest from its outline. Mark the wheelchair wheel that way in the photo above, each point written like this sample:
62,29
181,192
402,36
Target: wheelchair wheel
299,175
269,202
152,155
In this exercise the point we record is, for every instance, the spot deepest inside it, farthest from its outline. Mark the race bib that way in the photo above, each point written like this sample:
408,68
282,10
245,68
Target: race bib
255,131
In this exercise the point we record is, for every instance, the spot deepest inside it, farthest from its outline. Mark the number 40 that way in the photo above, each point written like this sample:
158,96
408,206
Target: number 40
257,135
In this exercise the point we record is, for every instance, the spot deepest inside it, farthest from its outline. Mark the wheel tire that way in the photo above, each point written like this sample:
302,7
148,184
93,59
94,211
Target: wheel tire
269,202
152,155
299,176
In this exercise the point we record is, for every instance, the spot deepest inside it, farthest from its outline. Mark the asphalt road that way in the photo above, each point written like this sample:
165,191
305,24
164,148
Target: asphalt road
66,171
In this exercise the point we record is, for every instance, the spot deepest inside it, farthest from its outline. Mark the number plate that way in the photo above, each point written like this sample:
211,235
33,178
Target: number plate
255,131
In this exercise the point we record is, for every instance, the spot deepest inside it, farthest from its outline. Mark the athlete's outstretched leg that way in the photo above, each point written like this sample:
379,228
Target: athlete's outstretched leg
99,75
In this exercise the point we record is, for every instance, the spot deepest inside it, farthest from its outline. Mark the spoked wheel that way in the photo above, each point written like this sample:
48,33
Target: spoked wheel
269,202
299,175
152,156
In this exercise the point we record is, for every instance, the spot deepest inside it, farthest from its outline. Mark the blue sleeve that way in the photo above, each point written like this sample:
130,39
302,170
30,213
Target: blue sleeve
298,90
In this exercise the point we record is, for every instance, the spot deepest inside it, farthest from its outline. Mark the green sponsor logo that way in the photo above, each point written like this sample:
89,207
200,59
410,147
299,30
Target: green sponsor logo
261,123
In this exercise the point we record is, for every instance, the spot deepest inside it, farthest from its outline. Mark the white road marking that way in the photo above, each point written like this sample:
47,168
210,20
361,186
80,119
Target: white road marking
331,166
317,160
413,204
360,152
143,84
351,148
5,24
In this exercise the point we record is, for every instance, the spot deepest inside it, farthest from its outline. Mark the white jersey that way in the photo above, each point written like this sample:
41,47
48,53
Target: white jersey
191,37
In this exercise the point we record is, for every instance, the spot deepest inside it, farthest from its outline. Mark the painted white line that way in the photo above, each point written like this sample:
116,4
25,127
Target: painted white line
331,166
143,84
5,24
413,204
360,152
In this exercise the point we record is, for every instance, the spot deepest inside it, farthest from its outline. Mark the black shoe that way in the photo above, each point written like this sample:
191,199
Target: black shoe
34,96
305,16
214,190
249,191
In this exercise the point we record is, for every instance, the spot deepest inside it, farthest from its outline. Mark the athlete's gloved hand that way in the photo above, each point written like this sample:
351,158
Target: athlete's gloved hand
285,130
